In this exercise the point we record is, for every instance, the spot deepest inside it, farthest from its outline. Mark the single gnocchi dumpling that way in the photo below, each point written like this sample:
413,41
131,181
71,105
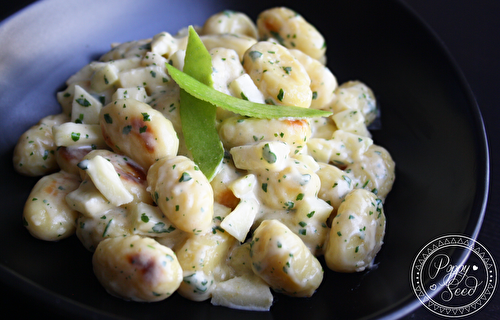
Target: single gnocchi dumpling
137,268
356,96
183,193
323,82
46,214
112,223
335,185
322,128
238,43
375,171
165,44
231,22
239,131
280,77
68,158
282,260
291,30
34,154
287,188
201,257
226,67
127,50
357,232
135,129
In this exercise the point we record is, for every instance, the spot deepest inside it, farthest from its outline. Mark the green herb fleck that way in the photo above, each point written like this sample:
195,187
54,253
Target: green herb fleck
264,187
75,136
83,102
255,55
185,177
106,228
159,227
281,94
269,156
145,116
108,118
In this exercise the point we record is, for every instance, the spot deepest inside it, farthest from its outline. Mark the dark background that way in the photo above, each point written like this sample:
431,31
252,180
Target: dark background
470,29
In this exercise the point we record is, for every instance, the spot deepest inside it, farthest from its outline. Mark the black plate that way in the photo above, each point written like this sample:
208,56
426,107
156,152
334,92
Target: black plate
429,122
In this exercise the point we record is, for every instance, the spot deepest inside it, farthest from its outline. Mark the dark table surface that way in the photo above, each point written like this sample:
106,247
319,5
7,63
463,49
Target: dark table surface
470,29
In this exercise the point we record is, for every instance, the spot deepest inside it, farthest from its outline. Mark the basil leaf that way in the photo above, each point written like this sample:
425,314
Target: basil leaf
240,106
198,117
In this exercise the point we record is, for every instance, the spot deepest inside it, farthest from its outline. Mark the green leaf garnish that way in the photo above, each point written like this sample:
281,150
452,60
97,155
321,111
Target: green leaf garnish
198,116
240,106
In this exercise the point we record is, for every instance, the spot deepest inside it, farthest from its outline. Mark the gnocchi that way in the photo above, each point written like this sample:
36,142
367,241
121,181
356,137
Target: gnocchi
357,232
115,170
35,151
137,268
46,214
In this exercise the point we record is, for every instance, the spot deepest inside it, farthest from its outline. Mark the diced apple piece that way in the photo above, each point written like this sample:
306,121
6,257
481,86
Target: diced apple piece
85,108
88,200
240,220
121,64
247,292
177,59
83,74
165,44
136,93
154,59
106,180
243,87
240,261
104,77
270,155
243,187
78,135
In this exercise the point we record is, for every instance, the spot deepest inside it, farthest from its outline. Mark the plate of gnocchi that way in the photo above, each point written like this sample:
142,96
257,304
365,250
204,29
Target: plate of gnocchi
216,159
